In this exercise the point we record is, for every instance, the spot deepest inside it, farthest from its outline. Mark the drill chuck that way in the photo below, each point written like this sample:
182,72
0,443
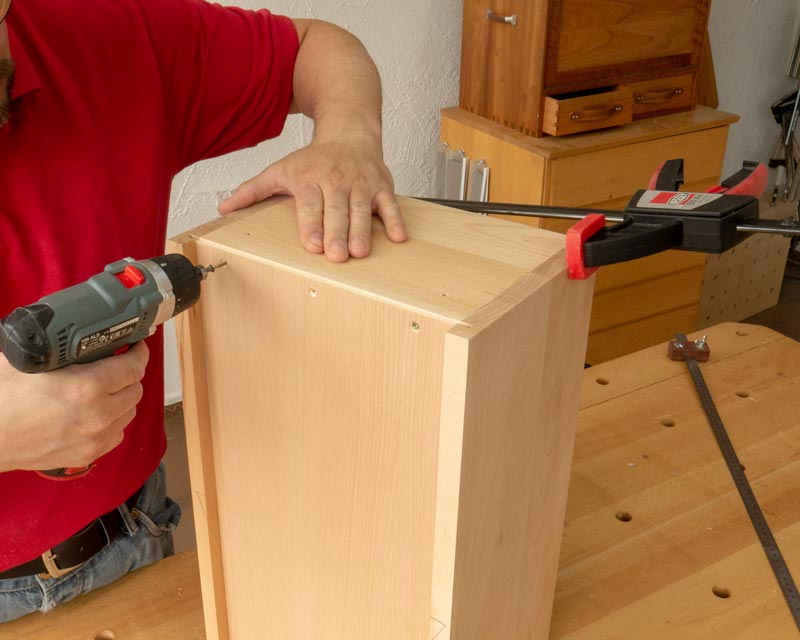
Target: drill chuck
98,318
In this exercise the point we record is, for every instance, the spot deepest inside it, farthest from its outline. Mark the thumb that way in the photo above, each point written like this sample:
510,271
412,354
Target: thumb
261,187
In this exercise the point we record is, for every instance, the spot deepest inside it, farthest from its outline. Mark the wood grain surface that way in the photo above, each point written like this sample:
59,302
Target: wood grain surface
651,576
657,543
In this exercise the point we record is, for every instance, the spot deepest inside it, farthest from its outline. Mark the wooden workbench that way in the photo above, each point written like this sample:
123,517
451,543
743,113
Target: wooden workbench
645,453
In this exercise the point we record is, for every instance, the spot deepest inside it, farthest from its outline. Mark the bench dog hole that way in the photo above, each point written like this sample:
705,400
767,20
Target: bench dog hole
721,592
623,516
105,635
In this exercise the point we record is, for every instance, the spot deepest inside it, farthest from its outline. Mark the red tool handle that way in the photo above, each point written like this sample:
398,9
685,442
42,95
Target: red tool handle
66,473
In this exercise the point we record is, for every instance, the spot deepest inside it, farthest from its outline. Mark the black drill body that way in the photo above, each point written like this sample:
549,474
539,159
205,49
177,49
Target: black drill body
99,317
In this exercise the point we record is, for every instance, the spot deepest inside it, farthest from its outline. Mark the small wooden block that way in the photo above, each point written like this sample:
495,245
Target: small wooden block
697,349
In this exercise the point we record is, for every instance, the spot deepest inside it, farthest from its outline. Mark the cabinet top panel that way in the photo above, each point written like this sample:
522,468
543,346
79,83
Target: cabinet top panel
453,264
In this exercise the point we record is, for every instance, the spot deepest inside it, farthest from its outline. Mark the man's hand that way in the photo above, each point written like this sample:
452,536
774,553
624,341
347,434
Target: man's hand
71,416
337,187
340,179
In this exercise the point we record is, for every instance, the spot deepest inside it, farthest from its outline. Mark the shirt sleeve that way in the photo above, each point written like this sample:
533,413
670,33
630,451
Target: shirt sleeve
226,75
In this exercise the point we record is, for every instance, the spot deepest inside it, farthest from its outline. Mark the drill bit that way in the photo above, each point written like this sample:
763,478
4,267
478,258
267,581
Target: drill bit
204,271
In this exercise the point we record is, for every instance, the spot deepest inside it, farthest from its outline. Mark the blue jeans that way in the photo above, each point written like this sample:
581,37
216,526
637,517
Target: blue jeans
148,539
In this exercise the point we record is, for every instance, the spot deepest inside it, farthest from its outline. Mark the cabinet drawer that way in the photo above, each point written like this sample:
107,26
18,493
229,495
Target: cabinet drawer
662,95
573,113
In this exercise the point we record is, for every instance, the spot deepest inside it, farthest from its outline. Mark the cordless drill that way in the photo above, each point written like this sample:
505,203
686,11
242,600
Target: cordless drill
100,317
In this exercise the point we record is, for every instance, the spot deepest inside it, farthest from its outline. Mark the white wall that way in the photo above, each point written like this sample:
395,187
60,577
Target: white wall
416,45
751,42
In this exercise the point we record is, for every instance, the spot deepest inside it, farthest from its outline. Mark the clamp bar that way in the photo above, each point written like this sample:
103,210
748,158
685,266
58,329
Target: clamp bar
526,210
656,219
574,213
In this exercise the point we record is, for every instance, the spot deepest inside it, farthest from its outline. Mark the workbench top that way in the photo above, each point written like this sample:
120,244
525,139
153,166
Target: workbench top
645,452
657,544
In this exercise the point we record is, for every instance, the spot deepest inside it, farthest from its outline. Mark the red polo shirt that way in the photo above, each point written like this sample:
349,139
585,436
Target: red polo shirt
112,99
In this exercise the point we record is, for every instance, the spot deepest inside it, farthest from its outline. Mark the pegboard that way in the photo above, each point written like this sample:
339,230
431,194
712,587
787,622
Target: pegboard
744,280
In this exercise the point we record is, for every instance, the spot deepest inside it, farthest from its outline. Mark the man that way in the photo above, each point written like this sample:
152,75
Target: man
101,104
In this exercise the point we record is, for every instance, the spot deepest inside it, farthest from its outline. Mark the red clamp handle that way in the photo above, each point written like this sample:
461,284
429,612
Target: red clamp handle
753,185
577,235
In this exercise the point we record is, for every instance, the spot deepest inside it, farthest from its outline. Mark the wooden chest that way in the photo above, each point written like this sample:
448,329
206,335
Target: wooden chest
562,66
381,449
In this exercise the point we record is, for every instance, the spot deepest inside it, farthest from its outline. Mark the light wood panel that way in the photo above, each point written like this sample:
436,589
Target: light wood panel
335,435
744,280
200,452
496,390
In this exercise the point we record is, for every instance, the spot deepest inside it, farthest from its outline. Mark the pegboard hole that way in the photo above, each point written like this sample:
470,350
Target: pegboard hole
623,516
721,592
743,394
603,381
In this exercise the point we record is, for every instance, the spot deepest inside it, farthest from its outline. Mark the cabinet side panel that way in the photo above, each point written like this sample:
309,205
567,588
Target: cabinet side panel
522,386
325,413
189,329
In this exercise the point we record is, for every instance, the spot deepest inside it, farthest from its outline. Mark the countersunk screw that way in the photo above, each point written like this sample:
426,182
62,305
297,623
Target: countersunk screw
415,326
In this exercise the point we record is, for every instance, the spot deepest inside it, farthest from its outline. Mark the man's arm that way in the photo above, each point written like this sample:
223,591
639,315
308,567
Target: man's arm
340,179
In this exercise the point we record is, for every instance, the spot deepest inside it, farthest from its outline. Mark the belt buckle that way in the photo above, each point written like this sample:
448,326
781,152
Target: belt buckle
53,570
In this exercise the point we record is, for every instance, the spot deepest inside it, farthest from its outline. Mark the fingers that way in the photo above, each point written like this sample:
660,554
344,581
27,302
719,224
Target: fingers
389,211
95,446
360,231
309,206
121,371
264,185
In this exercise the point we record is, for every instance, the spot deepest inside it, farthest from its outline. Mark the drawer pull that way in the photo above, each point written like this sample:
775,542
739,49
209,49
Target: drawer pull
495,17
654,97
596,114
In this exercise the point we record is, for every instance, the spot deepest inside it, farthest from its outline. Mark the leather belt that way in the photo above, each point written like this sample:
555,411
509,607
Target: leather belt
75,550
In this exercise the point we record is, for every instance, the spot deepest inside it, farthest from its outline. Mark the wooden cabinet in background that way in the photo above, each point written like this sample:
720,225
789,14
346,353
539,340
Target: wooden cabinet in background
561,66
638,303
